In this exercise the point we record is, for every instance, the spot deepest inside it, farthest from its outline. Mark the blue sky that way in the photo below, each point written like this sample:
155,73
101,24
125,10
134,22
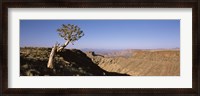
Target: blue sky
104,34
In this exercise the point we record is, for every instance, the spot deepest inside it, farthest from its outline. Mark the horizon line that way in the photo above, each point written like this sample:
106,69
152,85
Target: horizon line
103,48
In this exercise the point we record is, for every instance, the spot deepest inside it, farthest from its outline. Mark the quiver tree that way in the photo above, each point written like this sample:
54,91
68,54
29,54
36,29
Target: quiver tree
70,33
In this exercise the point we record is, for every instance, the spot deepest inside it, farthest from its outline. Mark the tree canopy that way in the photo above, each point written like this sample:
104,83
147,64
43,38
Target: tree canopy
70,32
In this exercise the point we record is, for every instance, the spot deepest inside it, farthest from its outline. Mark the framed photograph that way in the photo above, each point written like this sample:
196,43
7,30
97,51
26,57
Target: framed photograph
100,47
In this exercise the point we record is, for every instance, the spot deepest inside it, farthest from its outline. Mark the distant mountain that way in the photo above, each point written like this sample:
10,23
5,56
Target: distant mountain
121,52
111,52
100,51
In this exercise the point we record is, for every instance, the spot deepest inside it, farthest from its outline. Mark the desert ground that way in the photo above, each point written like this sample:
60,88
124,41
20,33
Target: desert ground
140,62
74,62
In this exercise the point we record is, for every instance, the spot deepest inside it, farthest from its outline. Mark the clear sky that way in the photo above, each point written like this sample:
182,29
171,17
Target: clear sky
104,34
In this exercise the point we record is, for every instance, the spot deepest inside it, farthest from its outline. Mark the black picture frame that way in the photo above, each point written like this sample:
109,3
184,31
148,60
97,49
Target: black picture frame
194,4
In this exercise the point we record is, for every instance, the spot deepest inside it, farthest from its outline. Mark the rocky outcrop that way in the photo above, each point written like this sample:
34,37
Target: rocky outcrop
33,62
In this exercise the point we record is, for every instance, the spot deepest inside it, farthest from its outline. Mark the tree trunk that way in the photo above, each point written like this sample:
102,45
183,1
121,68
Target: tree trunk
54,50
51,57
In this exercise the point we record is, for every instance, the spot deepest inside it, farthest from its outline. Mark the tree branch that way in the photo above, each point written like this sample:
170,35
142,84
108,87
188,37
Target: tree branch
63,46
